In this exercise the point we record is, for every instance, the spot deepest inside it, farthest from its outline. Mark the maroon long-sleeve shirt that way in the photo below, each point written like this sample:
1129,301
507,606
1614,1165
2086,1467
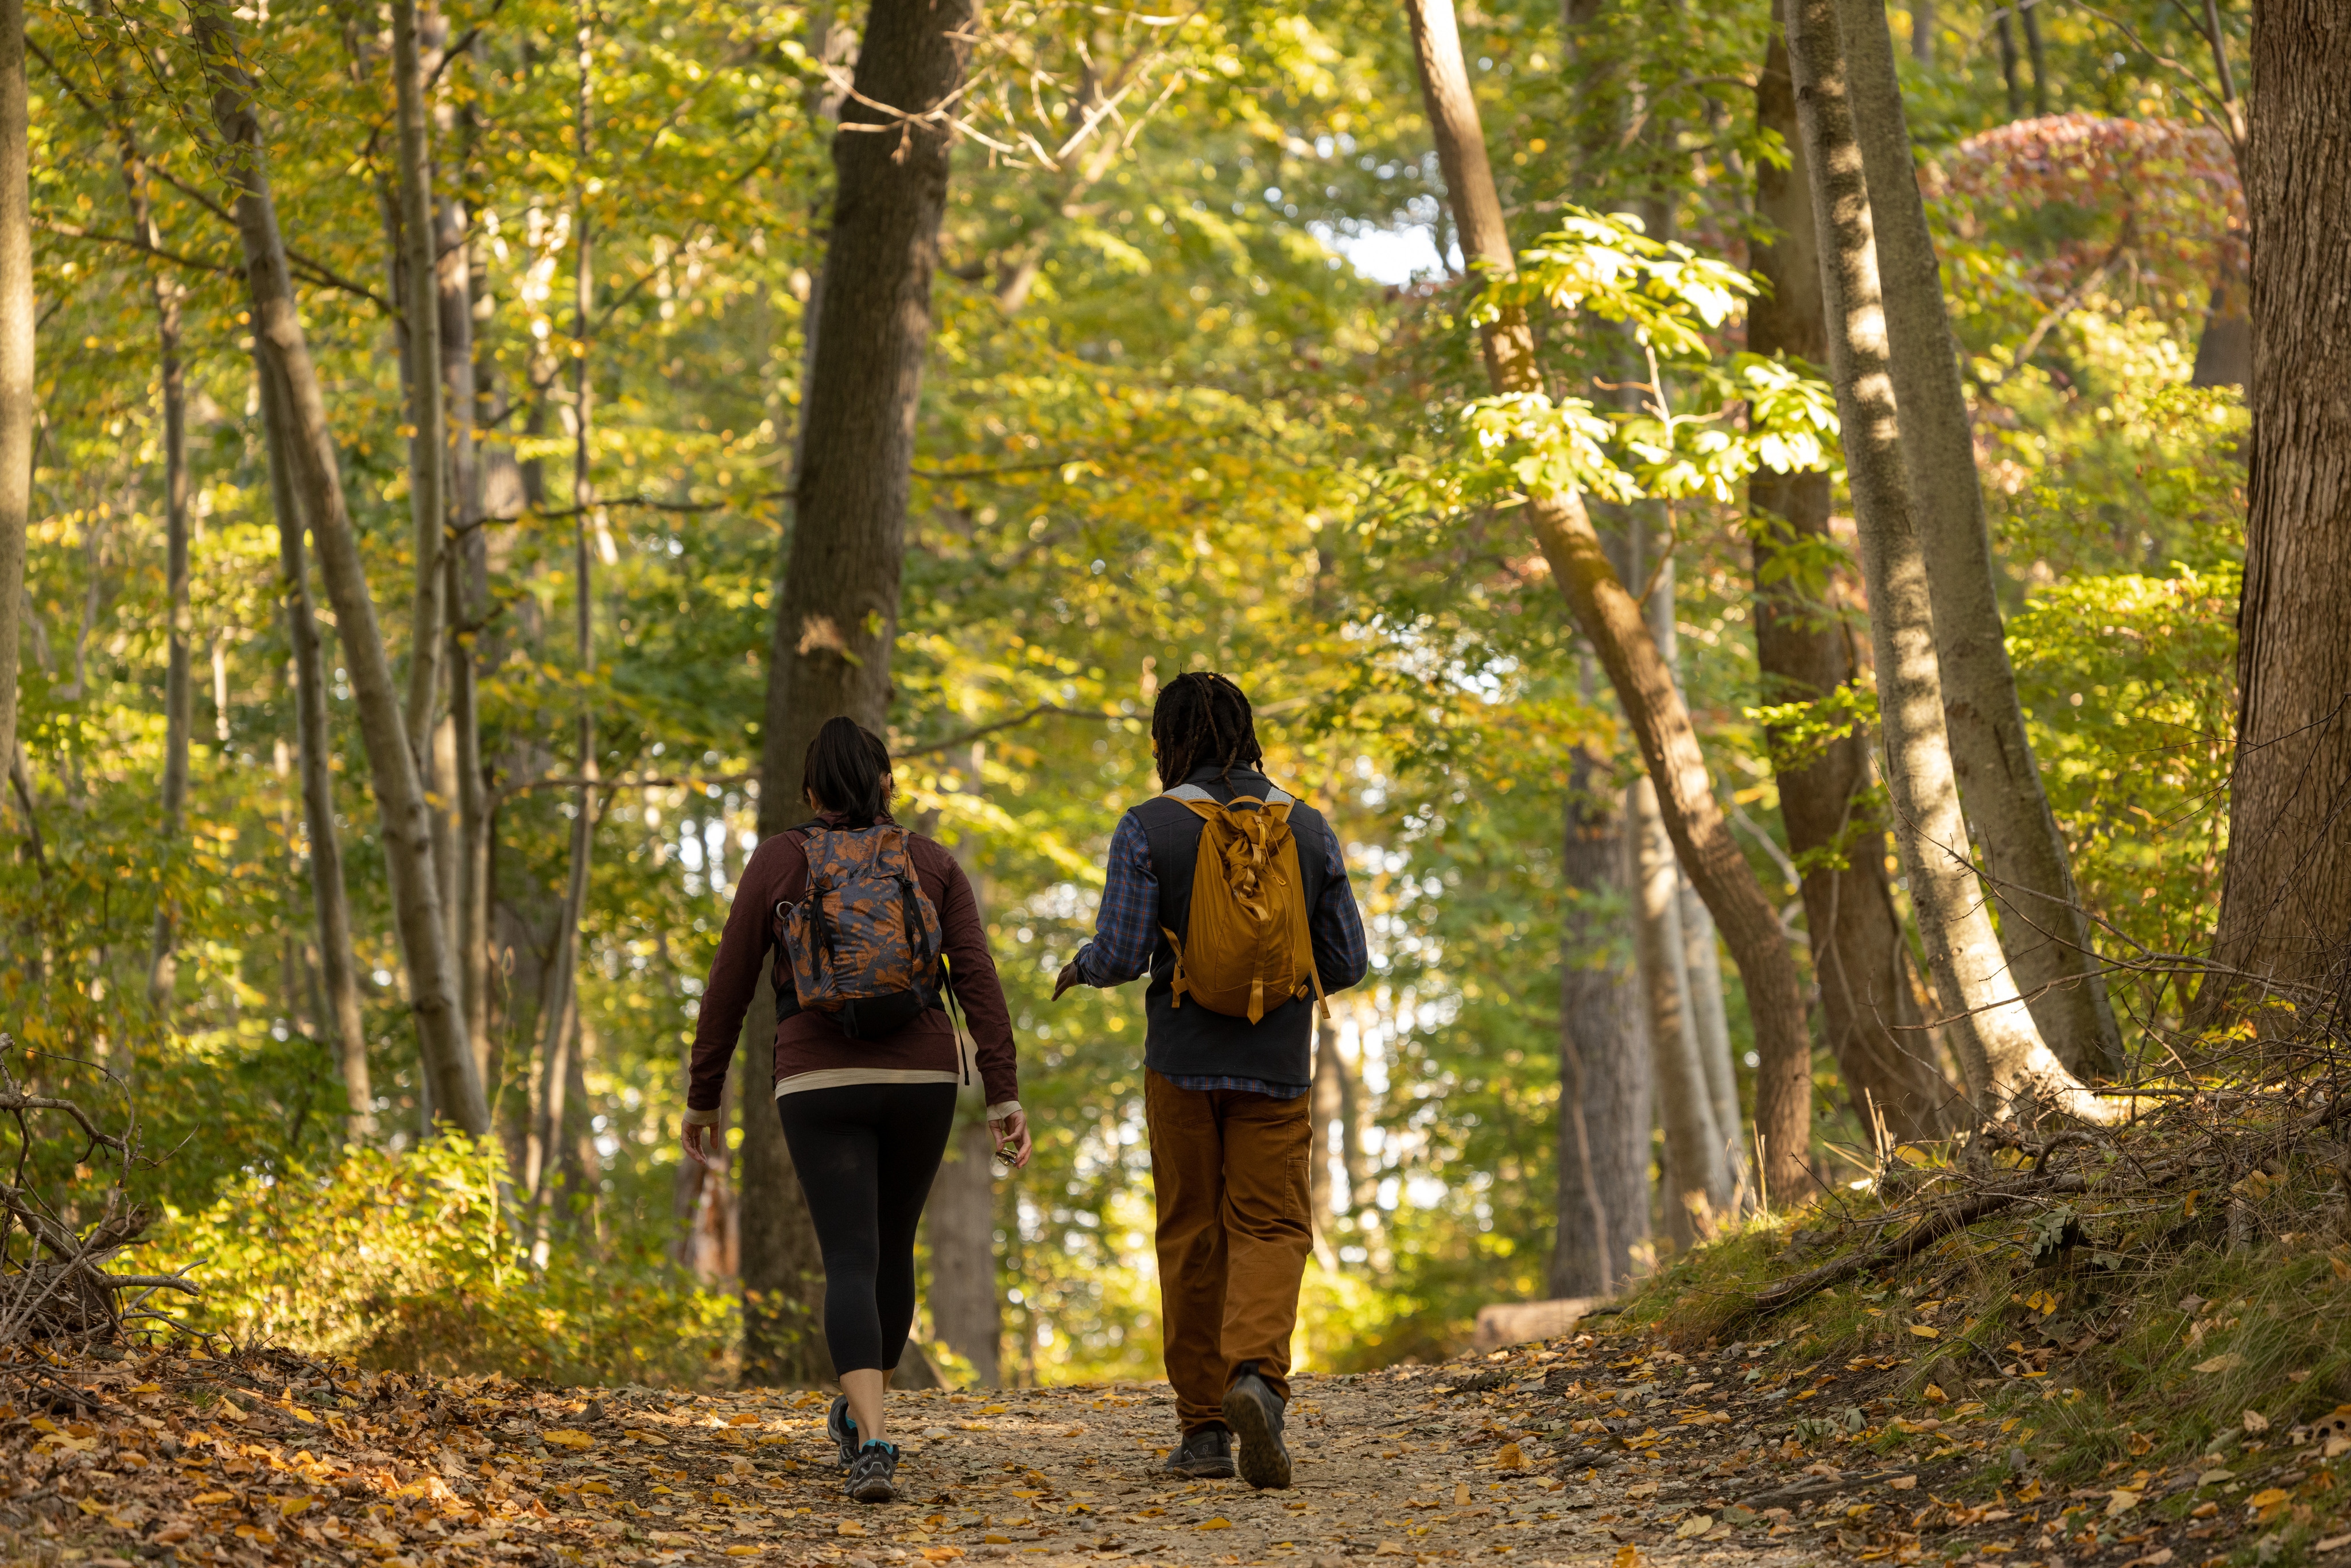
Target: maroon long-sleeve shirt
811,1041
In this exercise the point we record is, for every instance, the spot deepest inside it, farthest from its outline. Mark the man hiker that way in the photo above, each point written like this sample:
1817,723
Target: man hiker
1234,897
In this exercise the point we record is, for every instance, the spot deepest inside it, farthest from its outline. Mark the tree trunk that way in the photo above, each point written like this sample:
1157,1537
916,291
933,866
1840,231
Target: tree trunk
1922,35
1710,1021
405,817
1804,652
16,326
1603,1064
2285,904
2043,929
2224,348
1611,618
1998,1045
1697,1188
1322,1109
420,308
178,697
966,1308
836,605
330,903
2004,26
2028,13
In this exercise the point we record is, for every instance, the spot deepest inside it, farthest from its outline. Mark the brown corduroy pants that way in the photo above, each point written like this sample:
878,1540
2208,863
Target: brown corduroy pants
1228,1173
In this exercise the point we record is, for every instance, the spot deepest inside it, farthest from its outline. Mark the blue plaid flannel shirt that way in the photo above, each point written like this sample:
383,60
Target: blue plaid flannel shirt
1126,929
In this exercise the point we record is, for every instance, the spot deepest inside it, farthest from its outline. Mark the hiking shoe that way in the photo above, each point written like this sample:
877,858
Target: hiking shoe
874,1477
1206,1455
842,1429
1254,1413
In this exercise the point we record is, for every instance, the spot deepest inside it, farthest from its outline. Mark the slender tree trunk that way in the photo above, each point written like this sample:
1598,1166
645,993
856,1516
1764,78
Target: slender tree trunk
1696,1186
966,1308
2004,26
1922,32
2043,929
836,605
178,698
404,815
2285,904
1603,1063
330,903
1804,652
420,307
16,326
1610,620
1998,1045
1323,1107
2028,13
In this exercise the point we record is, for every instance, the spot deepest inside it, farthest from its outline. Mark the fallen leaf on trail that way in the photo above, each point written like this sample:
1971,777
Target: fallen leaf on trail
564,1436
205,1500
2121,1500
2140,1445
289,1507
743,1552
941,1553
2228,1362
2214,1478
1510,1457
743,1418
1695,1525
1462,1494
1629,1556
1934,1395
229,1411
2152,1560
1926,1330
2267,1498
2331,1543
1219,1522
2256,1422
1903,1483
851,1527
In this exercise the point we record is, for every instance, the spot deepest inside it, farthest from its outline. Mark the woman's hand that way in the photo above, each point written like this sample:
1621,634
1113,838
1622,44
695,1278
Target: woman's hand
1011,1138
697,1138
1068,976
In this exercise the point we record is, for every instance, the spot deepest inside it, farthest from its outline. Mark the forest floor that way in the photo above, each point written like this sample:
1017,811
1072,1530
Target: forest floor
1616,1448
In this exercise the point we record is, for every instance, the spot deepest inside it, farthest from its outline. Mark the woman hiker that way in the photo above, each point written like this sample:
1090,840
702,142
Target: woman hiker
857,912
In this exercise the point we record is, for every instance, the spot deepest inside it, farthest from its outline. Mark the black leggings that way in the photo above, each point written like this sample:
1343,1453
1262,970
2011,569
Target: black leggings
865,1154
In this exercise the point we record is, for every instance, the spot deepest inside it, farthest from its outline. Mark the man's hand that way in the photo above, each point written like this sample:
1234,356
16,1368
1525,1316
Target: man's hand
701,1145
1070,977
1011,1139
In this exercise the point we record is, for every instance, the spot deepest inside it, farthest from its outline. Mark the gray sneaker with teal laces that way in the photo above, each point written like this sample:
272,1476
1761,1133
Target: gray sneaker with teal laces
841,1429
874,1477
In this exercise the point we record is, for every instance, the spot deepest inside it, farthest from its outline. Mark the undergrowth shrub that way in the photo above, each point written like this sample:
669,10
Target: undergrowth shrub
412,1261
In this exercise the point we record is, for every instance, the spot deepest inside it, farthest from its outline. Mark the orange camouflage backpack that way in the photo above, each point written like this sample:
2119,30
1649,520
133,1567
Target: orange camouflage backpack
864,945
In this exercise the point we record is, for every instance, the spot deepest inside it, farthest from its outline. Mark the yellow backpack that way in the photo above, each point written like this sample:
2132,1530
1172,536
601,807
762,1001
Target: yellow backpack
1246,948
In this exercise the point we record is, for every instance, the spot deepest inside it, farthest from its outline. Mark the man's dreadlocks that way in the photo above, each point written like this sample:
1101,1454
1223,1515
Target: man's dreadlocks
1202,719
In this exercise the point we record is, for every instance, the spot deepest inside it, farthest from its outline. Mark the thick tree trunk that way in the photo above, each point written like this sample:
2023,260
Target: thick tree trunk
330,903
1603,1063
2043,929
1998,1045
2285,904
1804,654
178,697
420,307
403,813
836,605
17,392
1611,618
966,1308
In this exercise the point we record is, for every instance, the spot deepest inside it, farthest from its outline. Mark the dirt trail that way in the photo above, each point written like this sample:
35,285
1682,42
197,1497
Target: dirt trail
1615,1450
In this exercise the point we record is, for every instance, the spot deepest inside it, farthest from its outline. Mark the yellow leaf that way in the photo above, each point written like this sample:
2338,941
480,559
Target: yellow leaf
941,1553
1695,1525
2140,1443
1903,1483
288,1507
2188,1208
146,1388
2268,1497
2342,1271
43,1424
2121,1500
1629,1557
742,1552
1934,1395
743,1418
2228,1362
2255,1421
1219,1522
1510,1457
994,1409
1926,1330
1462,1494
205,1500
848,1527
563,1437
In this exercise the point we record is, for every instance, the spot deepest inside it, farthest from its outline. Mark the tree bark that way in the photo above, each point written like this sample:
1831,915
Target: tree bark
836,605
1697,1188
1804,652
178,697
2043,929
1611,618
16,327
403,813
1322,1108
1603,1063
2028,15
1922,35
420,308
2285,904
1998,1045
966,1308
330,901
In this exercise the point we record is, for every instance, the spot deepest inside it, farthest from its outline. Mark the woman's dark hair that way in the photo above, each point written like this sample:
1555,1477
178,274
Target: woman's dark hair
845,769
1202,719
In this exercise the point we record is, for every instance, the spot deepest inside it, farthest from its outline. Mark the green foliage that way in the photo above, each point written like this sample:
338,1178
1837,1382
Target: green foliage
410,1262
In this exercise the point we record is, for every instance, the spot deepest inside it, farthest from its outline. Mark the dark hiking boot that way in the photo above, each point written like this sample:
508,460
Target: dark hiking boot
1206,1455
1254,1413
842,1429
874,1477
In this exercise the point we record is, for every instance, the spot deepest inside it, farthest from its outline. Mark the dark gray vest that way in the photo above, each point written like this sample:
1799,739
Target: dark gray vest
1190,1041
